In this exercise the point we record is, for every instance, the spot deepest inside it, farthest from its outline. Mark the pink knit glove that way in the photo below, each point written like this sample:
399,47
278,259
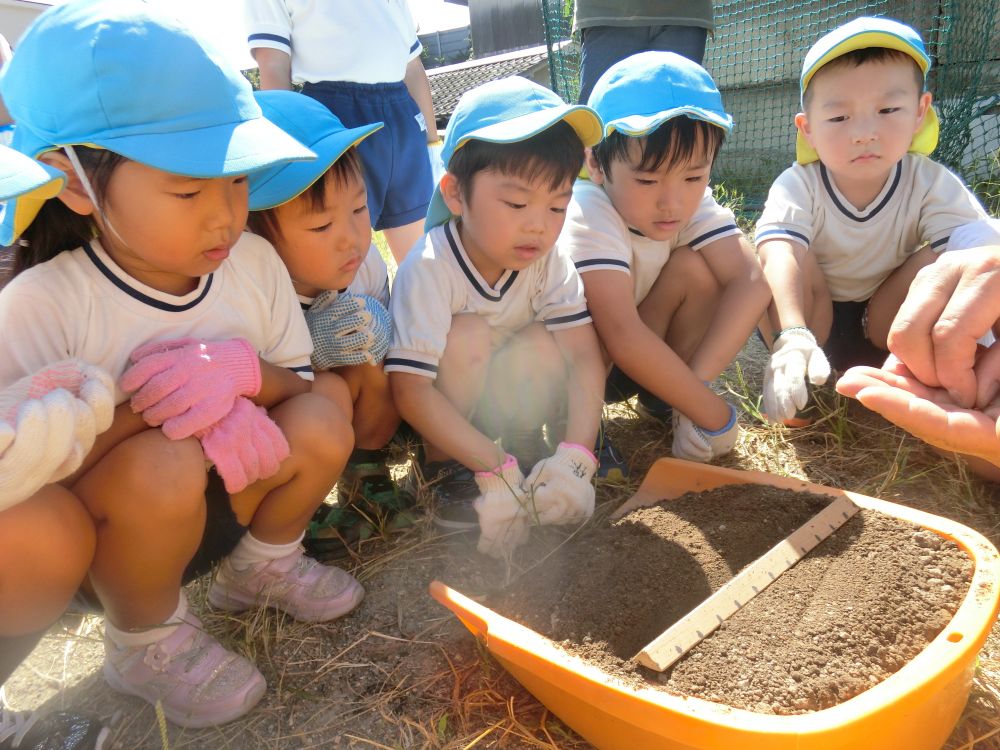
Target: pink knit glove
187,385
245,445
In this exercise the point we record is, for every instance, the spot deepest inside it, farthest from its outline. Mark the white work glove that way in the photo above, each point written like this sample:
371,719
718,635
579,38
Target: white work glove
561,487
48,423
695,443
502,509
352,329
796,356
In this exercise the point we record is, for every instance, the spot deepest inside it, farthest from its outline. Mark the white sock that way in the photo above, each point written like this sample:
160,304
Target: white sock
130,638
251,550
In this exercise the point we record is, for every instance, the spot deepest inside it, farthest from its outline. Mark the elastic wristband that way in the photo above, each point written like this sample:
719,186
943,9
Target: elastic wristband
508,462
580,448
728,426
783,331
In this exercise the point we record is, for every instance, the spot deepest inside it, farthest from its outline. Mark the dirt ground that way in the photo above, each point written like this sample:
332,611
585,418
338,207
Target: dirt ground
856,609
402,672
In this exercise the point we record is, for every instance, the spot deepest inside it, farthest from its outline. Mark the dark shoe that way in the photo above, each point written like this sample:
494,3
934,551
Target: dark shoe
61,730
452,488
610,463
528,446
651,407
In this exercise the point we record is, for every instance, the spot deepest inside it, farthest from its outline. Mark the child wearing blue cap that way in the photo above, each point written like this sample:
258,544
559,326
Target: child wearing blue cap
673,287
846,228
140,267
316,216
492,336
48,423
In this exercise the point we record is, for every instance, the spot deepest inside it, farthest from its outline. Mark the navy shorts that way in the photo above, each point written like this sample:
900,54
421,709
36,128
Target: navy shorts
395,158
848,345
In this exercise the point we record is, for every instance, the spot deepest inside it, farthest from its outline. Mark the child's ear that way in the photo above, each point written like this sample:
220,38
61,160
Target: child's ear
73,195
452,194
593,167
802,124
923,105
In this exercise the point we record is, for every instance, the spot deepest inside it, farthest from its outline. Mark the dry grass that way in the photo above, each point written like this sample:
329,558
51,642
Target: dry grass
405,675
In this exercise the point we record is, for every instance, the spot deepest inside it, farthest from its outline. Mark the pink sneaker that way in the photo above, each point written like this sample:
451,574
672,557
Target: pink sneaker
304,588
197,681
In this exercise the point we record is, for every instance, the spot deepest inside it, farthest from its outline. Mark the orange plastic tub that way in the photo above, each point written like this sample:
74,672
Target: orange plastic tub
914,709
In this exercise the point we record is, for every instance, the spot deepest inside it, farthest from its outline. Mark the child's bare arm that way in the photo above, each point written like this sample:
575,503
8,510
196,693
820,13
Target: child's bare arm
643,355
782,263
745,296
278,384
432,415
585,386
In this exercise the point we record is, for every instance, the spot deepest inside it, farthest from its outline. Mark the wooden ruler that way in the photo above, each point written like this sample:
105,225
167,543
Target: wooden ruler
697,624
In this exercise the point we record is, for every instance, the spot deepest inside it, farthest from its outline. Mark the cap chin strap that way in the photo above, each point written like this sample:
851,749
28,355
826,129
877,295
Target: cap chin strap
89,189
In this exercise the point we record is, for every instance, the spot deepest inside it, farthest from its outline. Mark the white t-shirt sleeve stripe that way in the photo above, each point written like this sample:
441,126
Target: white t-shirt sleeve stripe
562,303
568,321
713,235
270,41
412,366
422,306
268,24
779,233
602,264
594,235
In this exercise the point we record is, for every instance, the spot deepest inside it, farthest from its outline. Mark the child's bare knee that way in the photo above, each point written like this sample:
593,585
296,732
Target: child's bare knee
315,426
165,478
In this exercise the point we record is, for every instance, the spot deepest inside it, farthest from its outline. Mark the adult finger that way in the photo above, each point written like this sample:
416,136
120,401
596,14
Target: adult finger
910,335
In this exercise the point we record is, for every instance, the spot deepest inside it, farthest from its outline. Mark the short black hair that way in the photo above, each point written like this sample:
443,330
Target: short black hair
674,143
348,167
857,58
554,155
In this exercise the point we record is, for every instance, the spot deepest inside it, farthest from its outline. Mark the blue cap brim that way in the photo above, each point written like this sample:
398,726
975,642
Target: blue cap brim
277,185
637,126
26,182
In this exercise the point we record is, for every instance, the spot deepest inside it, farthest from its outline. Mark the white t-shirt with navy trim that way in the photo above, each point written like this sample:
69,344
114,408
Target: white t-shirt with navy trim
364,41
82,304
372,279
437,281
598,238
857,249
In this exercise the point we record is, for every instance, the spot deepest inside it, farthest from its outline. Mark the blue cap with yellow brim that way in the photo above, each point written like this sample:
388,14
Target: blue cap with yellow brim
864,33
507,111
27,179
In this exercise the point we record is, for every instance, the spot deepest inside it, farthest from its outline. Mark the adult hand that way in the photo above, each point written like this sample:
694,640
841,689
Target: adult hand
951,304
926,412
